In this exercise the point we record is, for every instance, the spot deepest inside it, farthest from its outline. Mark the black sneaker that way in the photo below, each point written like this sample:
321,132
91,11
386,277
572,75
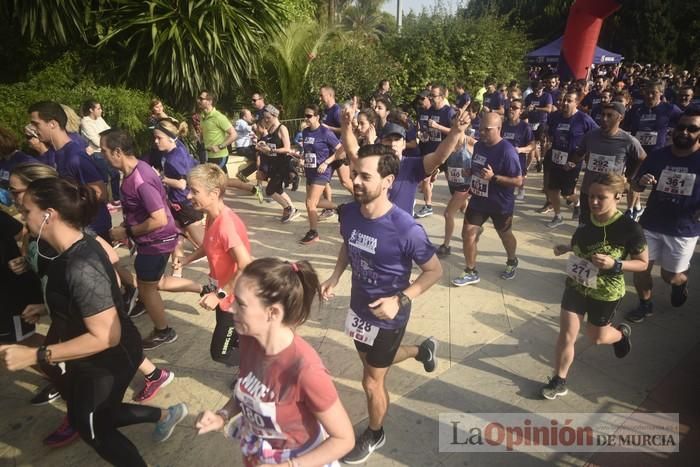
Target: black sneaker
131,295
624,345
679,294
137,310
207,289
443,251
310,237
554,388
428,354
157,338
46,395
640,313
364,447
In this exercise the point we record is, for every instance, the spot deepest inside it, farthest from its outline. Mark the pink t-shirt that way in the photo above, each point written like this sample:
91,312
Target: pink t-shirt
222,234
279,394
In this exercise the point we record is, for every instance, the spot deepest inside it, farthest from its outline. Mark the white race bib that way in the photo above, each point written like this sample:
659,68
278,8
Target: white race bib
272,147
534,126
310,160
454,175
647,138
559,157
260,417
582,271
601,163
359,329
676,183
479,187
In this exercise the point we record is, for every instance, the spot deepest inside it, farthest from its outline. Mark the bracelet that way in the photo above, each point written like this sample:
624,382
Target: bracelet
223,413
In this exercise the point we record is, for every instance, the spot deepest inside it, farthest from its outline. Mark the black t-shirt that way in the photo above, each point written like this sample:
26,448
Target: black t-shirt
81,283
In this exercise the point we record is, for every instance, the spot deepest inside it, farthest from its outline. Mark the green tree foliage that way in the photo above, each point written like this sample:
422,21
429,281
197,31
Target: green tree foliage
445,48
353,67
364,20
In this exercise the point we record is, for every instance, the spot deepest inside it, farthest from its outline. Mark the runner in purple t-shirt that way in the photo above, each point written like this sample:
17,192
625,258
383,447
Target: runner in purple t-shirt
331,120
518,133
380,243
495,173
10,156
651,121
149,224
493,100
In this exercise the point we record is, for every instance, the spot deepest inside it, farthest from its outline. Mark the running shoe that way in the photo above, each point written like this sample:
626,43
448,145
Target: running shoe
520,196
258,193
293,214
545,209
165,427
151,388
114,206
425,211
138,309
538,166
157,338
469,277
241,176
443,251
576,213
326,213
176,271
555,222
510,270
624,345
427,353
286,212
364,447
640,313
679,294
554,388
637,213
310,237
62,436
45,395
131,295
629,214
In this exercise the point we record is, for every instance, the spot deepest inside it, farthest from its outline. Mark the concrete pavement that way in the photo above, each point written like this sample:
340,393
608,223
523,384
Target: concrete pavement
496,344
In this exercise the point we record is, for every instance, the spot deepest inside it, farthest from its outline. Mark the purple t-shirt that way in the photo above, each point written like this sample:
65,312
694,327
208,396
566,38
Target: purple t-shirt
650,126
6,165
494,100
566,134
403,191
489,196
332,116
411,135
442,116
318,146
381,253
538,117
462,100
591,100
674,202
72,162
176,165
141,194
518,135
554,93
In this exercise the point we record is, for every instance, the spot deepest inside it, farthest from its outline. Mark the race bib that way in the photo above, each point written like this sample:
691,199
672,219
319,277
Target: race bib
534,126
582,271
359,329
676,183
647,138
435,135
601,163
310,160
272,147
260,417
454,175
479,187
559,157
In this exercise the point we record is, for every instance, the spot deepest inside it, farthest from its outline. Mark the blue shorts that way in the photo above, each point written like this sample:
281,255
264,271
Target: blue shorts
150,268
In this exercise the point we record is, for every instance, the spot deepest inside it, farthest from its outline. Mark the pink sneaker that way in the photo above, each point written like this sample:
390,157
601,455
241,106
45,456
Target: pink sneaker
63,436
114,206
151,388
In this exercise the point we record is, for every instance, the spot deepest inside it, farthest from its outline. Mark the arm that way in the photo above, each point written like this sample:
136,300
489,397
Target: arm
180,184
340,441
156,220
100,190
340,265
230,136
209,421
637,263
335,130
347,136
527,149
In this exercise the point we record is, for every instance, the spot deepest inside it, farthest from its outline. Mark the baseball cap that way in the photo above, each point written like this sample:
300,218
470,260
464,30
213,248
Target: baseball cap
272,110
618,107
393,129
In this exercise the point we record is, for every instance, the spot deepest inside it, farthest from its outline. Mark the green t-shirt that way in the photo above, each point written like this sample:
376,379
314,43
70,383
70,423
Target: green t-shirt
618,238
215,126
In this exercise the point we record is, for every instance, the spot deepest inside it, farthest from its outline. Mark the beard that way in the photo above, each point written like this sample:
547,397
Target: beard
365,197
684,142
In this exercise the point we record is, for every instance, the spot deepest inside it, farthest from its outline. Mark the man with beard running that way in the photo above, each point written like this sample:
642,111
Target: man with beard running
380,243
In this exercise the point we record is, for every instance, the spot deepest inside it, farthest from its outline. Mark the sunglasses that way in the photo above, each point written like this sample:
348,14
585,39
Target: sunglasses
515,108
309,115
689,128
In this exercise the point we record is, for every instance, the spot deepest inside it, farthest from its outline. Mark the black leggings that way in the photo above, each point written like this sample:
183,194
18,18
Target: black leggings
96,410
224,341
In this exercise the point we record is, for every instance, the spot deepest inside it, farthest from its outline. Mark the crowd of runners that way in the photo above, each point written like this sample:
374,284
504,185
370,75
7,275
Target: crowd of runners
633,131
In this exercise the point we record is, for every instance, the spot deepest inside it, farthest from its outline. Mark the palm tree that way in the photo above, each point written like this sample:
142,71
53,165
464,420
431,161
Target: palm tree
364,20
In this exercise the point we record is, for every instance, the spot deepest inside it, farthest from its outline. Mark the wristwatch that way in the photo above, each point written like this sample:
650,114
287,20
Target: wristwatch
43,355
404,300
221,294
221,146
617,268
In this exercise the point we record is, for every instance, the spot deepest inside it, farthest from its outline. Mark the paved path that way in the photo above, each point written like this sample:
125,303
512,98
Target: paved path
496,342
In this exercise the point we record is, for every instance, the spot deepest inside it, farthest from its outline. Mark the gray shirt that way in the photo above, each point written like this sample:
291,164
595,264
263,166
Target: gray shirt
609,154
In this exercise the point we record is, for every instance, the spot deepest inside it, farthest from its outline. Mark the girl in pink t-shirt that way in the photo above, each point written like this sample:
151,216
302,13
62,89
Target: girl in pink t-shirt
289,408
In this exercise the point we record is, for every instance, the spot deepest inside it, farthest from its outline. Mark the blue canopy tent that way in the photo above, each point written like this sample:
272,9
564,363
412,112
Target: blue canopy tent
549,54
